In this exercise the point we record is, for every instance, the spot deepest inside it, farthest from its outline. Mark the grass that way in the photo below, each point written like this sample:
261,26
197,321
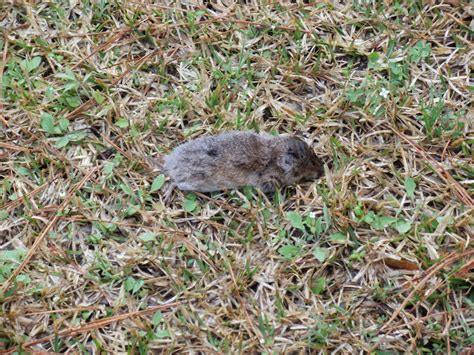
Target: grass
374,257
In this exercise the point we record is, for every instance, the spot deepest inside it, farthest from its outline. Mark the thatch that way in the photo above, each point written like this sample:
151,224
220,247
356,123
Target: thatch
376,255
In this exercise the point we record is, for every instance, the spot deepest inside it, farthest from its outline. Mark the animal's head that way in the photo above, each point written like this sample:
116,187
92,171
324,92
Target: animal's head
299,162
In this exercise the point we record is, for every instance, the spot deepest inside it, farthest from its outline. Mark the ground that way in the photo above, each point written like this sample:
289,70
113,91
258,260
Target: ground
375,256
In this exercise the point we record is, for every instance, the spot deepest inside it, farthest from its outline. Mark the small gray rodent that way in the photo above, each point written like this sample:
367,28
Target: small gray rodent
235,159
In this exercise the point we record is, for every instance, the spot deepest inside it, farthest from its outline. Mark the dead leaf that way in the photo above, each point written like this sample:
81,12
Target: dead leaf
400,264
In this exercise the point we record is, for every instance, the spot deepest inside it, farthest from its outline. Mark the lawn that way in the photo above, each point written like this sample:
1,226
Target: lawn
376,256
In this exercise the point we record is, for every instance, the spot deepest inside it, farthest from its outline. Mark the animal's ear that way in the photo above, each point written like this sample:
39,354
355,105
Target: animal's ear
294,152
296,147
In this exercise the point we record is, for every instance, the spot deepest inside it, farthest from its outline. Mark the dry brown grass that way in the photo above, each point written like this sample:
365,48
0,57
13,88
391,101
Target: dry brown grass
377,255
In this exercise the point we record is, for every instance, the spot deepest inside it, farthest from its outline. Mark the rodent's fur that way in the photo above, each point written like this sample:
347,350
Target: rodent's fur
239,158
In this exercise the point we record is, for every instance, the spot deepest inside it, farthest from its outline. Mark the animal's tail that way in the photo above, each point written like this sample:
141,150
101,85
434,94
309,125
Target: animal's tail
155,163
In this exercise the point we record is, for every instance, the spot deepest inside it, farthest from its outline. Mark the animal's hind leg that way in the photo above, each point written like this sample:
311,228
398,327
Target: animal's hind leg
268,187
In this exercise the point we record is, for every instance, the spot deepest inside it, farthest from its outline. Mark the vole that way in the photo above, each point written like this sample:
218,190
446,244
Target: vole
240,158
